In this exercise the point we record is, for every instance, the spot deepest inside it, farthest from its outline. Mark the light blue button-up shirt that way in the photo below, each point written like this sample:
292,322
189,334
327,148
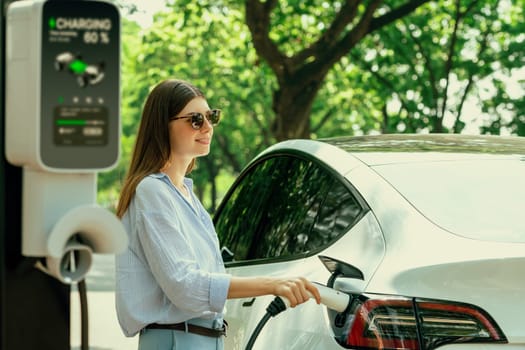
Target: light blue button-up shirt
172,270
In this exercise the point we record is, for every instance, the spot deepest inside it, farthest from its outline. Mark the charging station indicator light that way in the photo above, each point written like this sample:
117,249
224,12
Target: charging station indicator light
52,23
78,66
61,122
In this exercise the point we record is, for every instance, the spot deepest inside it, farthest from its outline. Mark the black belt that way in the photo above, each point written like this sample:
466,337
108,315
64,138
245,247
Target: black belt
191,328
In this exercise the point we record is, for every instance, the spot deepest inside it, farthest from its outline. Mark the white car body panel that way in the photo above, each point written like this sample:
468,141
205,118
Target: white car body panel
464,272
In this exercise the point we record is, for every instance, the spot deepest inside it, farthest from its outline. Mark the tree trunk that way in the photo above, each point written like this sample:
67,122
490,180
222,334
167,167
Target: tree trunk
292,105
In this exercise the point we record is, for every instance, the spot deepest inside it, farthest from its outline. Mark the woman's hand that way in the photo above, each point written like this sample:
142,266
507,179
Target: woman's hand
296,290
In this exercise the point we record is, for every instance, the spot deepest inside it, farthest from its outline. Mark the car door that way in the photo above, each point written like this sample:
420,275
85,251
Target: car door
280,213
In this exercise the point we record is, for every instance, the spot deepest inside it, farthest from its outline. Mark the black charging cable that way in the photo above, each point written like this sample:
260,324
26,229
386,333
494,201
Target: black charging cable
84,336
82,292
276,307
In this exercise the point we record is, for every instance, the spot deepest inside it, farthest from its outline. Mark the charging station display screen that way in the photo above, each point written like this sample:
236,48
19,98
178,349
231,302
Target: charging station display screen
80,85
81,126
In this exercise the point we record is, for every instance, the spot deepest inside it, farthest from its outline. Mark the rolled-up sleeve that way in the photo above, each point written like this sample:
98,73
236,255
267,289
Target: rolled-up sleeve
219,286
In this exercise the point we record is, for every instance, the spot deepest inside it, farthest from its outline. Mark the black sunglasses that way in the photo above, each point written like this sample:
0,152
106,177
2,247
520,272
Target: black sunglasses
197,119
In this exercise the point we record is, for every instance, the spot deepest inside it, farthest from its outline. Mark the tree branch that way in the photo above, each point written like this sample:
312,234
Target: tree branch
428,65
329,37
482,48
366,25
326,117
341,48
258,21
395,14
264,130
450,58
389,85
223,144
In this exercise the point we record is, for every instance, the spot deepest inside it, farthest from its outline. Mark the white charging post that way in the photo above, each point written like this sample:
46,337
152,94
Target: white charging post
63,126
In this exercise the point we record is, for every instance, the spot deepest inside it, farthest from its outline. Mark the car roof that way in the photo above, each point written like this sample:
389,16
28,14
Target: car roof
401,148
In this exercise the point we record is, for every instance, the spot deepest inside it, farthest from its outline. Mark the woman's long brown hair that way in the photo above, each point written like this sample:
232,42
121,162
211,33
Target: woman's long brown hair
152,145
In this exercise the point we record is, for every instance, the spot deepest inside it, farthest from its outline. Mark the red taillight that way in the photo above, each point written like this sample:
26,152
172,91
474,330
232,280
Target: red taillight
406,323
441,319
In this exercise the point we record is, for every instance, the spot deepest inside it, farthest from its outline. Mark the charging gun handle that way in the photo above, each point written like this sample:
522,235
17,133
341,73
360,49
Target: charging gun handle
331,298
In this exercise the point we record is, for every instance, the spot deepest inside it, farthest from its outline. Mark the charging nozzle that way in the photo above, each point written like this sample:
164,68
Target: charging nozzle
331,298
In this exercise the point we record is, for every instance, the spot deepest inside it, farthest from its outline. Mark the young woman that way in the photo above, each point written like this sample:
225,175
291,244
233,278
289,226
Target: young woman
171,282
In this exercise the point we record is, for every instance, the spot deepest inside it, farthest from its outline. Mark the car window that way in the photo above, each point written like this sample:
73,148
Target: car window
285,206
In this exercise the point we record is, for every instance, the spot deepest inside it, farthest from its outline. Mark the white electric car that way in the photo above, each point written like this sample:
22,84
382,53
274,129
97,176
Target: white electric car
426,233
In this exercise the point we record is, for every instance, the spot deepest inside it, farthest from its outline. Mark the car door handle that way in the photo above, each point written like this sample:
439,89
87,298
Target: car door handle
248,303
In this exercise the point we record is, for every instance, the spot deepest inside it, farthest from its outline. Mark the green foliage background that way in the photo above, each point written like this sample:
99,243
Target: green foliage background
418,74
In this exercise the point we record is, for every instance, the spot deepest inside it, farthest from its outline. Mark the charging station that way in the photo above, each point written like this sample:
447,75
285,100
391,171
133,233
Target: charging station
62,92
62,125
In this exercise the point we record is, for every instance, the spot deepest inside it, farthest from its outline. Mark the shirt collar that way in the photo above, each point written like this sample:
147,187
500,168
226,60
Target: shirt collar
163,176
